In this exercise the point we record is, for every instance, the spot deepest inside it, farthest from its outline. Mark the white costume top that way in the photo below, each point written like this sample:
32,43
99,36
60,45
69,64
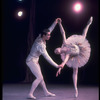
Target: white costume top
39,48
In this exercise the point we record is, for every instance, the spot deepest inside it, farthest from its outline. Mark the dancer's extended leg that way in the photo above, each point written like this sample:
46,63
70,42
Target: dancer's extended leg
87,27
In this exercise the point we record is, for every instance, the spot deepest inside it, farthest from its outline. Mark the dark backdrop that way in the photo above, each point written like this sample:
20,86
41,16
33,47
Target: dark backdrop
15,32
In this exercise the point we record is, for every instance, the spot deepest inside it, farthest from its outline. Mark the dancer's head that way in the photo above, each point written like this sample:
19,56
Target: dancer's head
46,34
57,50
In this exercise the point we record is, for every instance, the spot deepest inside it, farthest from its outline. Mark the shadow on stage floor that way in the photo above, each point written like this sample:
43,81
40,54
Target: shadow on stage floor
63,92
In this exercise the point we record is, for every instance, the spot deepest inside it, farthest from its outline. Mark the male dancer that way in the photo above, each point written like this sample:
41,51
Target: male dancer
39,48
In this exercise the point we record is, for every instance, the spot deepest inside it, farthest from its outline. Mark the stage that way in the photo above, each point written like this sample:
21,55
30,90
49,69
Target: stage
63,92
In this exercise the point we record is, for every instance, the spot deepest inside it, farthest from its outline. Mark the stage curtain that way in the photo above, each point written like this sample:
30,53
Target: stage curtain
30,39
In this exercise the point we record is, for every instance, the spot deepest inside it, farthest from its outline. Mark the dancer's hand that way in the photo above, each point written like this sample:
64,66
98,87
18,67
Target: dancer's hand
61,66
59,20
58,72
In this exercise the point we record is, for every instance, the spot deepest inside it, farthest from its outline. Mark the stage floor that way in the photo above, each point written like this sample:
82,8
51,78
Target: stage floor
63,92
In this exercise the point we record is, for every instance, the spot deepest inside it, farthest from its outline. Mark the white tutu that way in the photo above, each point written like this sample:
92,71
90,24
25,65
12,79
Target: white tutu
82,58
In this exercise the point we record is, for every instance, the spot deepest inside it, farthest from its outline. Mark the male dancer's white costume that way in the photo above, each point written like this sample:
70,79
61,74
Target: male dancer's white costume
39,48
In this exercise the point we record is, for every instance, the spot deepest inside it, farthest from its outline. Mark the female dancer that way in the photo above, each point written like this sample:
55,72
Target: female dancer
75,51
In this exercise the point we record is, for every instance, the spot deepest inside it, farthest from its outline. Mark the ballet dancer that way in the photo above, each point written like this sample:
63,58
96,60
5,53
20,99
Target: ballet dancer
75,51
32,61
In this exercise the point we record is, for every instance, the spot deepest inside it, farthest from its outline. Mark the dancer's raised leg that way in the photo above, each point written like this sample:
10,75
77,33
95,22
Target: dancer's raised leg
87,27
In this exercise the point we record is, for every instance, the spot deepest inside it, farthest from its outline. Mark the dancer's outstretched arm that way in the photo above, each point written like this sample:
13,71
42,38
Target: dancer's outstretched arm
62,30
65,60
51,28
45,54
87,27
62,64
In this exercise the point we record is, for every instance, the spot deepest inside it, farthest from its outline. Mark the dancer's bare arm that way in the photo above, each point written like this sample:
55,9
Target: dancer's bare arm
65,60
62,29
62,65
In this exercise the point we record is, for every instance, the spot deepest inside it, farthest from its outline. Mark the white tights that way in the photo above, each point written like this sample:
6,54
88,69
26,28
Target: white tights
35,69
75,74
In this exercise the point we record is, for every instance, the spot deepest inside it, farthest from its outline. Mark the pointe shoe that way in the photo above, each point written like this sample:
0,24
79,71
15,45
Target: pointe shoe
76,94
90,20
30,96
50,94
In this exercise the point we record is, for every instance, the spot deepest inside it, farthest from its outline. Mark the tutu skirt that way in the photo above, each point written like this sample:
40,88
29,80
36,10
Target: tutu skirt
79,60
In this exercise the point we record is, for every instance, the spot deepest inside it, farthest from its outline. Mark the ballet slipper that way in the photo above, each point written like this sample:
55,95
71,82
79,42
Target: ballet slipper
90,21
30,96
50,94
76,94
